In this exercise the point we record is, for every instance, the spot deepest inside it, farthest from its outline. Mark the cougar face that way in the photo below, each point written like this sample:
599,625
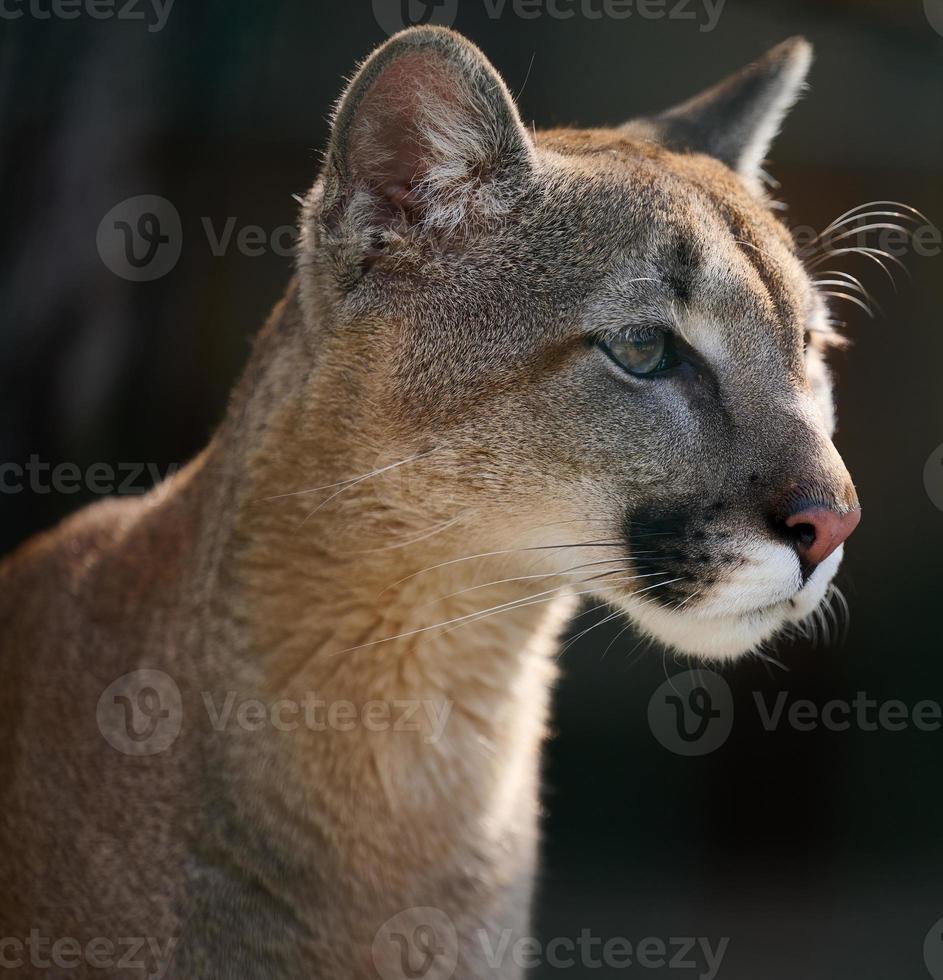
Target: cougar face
598,346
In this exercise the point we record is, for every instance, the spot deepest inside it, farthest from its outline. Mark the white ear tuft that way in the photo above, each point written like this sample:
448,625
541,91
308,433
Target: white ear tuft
426,135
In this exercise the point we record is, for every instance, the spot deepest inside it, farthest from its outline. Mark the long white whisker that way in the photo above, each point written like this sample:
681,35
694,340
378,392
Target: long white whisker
502,552
851,299
602,622
868,253
877,226
847,276
482,613
368,476
853,213
485,614
576,570
343,484
863,216
424,536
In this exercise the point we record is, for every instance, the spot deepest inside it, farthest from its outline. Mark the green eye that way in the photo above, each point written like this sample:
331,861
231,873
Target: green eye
643,356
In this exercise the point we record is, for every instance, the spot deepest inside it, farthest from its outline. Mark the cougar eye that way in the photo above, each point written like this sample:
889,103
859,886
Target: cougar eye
645,355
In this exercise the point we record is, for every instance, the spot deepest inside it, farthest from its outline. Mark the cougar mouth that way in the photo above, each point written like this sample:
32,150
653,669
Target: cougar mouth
734,611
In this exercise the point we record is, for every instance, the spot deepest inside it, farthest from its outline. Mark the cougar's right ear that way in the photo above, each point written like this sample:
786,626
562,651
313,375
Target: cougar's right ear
426,137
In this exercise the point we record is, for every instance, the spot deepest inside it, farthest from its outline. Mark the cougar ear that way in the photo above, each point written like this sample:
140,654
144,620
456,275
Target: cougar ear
426,134
737,120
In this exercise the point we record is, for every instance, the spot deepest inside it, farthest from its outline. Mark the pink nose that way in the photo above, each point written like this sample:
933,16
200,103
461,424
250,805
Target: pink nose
818,531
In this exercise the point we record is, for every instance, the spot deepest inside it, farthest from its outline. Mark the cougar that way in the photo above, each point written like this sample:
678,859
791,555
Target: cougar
282,716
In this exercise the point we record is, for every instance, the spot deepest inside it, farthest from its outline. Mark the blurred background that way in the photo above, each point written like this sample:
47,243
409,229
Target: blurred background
818,854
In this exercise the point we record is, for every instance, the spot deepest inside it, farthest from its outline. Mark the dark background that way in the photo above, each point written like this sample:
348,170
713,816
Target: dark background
817,853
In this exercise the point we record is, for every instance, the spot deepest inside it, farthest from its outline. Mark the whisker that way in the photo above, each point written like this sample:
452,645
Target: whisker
500,553
769,659
527,601
551,593
845,611
429,533
843,283
343,484
863,229
847,277
868,253
602,622
825,236
367,476
853,213
576,569
851,299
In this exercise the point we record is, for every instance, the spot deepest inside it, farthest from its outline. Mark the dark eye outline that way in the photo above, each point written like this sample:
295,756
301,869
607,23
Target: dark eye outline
670,358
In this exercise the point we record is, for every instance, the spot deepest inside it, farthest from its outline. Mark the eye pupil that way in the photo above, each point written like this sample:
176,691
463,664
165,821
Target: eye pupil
643,356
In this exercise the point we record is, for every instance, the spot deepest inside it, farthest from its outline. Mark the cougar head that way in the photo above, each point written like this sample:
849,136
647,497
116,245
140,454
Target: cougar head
606,336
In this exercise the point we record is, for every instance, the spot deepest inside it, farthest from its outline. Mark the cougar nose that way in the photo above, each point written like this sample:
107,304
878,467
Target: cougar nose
817,531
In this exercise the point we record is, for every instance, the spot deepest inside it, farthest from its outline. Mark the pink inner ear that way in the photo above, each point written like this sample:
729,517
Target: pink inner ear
386,150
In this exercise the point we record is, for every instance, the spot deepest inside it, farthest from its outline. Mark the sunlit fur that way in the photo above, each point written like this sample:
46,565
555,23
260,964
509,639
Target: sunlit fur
427,462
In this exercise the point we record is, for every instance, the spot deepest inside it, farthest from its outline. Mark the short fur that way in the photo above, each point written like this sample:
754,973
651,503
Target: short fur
425,431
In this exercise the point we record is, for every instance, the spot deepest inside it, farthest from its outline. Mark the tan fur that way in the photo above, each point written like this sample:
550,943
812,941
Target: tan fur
451,335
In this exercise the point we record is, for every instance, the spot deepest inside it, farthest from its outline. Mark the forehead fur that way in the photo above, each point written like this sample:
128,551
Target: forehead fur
620,224
690,208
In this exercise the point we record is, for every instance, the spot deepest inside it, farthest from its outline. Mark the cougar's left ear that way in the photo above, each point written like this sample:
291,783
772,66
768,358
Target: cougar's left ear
737,120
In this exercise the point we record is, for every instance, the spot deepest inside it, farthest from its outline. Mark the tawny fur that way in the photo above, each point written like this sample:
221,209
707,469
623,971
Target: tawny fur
439,317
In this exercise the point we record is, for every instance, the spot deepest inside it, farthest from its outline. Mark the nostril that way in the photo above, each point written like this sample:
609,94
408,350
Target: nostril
818,531
802,534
